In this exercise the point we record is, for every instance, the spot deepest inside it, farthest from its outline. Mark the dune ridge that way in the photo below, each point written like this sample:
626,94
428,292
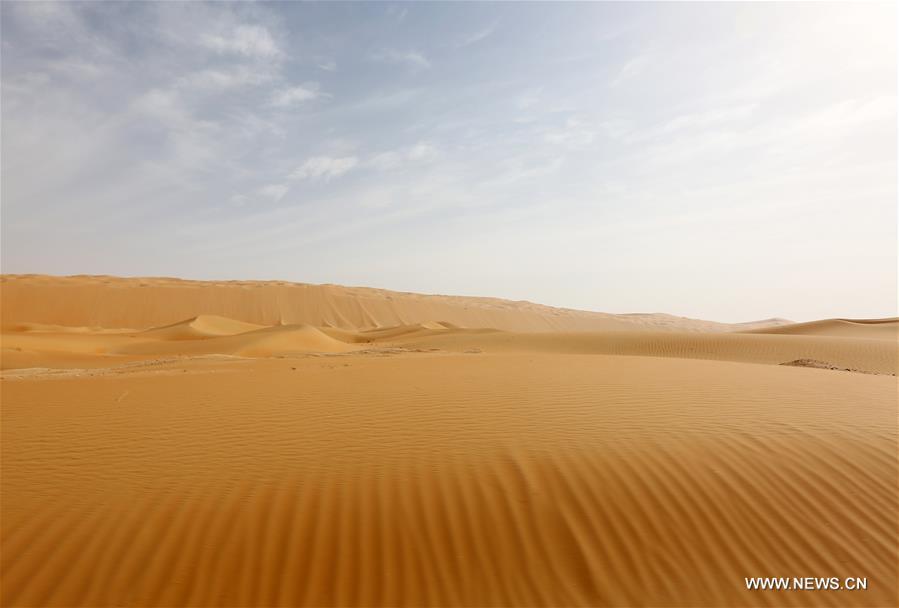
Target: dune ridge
201,327
878,329
142,303
261,342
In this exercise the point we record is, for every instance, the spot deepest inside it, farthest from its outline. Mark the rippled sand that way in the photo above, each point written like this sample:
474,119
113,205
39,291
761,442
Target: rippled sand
222,462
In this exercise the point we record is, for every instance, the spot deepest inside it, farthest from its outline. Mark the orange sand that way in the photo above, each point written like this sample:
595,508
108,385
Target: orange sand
239,461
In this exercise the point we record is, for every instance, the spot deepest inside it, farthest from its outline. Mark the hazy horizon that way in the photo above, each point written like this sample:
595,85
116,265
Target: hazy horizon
719,161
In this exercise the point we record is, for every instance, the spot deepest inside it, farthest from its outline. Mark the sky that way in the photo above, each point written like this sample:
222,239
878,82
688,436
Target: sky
721,161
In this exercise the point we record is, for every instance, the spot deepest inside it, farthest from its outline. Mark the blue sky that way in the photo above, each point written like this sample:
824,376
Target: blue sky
723,161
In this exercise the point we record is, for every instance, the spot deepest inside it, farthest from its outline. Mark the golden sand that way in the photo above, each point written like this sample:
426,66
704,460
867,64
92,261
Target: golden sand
366,448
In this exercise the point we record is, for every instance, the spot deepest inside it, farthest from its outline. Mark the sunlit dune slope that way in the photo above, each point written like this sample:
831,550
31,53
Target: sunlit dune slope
207,335
874,329
203,326
447,480
265,342
98,350
110,302
865,354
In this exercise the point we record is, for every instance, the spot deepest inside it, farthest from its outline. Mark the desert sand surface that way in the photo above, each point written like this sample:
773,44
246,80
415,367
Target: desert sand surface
272,444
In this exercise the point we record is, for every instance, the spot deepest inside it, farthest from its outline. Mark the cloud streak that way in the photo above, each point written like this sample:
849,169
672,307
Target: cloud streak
275,192
296,95
411,59
476,36
324,167
247,40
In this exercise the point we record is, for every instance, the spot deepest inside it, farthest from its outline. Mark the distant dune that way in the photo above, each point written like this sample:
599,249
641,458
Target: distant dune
176,443
867,348
875,329
111,302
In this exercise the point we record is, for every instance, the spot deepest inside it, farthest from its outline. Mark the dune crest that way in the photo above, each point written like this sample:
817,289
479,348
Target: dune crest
145,303
201,327
874,329
261,342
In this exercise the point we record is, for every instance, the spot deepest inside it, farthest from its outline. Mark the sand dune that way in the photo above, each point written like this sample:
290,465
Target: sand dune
467,480
264,342
872,329
198,336
872,355
143,303
216,461
203,326
217,335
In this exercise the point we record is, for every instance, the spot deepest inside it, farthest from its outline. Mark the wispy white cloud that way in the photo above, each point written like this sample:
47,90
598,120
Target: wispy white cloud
295,95
850,113
74,67
324,167
631,68
246,40
329,65
394,159
274,192
709,118
398,12
191,141
528,98
164,105
227,78
422,151
570,137
476,36
387,161
575,133
412,59
48,13
521,170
